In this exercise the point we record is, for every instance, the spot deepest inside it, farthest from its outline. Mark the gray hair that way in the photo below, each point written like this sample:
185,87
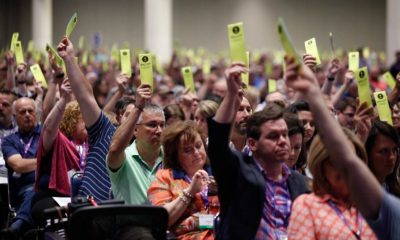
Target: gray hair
152,108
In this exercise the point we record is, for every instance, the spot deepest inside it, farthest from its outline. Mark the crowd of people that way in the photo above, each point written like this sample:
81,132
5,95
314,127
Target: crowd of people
303,160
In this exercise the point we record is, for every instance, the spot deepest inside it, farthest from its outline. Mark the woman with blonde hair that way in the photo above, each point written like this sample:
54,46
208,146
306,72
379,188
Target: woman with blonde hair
185,187
328,212
206,109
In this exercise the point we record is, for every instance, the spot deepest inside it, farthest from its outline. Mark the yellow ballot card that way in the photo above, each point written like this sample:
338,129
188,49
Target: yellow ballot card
30,47
311,48
354,61
85,58
14,39
126,67
236,42
286,41
363,86
206,67
388,78
71,25
245,76
81,43
38,75
188,78
19,55
385,115
271,85
59,60
146,69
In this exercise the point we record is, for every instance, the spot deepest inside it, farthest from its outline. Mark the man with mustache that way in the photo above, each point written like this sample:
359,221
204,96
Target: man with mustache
255,192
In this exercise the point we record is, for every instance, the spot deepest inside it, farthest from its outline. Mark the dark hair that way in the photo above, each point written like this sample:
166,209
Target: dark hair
122,103
172,135
8,92
295,126
390,132
299,106
173,110
270,112
346,102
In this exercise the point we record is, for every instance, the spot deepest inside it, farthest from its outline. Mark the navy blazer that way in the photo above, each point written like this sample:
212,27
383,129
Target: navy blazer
241,186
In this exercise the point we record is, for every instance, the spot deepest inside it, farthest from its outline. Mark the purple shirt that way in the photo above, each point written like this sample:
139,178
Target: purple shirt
277,206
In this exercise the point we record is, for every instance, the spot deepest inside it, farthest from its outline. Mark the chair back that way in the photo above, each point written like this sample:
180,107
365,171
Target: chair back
107,221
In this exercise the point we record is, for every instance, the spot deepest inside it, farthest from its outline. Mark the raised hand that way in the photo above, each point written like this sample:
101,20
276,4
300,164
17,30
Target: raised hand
309,61
362,119
65,48
66,91
298,77
21,73
143,95
348,78
122,82
334,68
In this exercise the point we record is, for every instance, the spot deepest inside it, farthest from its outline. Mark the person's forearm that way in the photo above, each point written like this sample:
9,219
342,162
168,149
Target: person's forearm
227,110
49,99
338,95
355,172
121,139
327,87
25,165
10,77
175,209
83,92
39,106
52,123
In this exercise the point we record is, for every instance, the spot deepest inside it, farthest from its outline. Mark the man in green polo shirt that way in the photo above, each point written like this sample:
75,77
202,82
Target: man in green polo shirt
133,166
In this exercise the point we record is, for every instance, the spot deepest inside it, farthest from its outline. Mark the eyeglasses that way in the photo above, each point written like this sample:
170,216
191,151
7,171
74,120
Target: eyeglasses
153,124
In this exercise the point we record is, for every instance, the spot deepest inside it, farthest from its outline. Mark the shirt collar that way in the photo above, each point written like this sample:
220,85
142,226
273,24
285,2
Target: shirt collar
286,172
36,131
136,155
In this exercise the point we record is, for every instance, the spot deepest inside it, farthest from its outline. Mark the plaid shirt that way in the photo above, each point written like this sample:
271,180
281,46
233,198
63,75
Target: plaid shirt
277,205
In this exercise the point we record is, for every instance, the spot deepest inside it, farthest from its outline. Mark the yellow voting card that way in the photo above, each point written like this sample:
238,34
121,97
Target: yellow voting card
385,115
236,42
245,76
188,78
271,85
364,93
81,43
38,75
311,48
286,41
126,67
146,69
30,47
19,55
354,61
14,39
59,60
206,67
388,78
71,25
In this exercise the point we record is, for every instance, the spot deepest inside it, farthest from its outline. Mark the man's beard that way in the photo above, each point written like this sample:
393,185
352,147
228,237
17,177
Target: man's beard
241,128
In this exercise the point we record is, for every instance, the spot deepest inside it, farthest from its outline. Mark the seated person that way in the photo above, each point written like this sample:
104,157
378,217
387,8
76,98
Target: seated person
182,187
19,151
328,212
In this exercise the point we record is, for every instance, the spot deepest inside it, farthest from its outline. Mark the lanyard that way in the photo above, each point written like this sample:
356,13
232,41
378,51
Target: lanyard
26,146
203,194
344,220
82,155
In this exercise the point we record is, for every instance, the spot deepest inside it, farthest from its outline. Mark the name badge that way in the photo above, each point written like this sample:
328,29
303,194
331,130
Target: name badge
206,221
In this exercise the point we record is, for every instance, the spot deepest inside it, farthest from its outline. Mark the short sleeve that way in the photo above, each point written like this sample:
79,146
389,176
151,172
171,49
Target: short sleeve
159,192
